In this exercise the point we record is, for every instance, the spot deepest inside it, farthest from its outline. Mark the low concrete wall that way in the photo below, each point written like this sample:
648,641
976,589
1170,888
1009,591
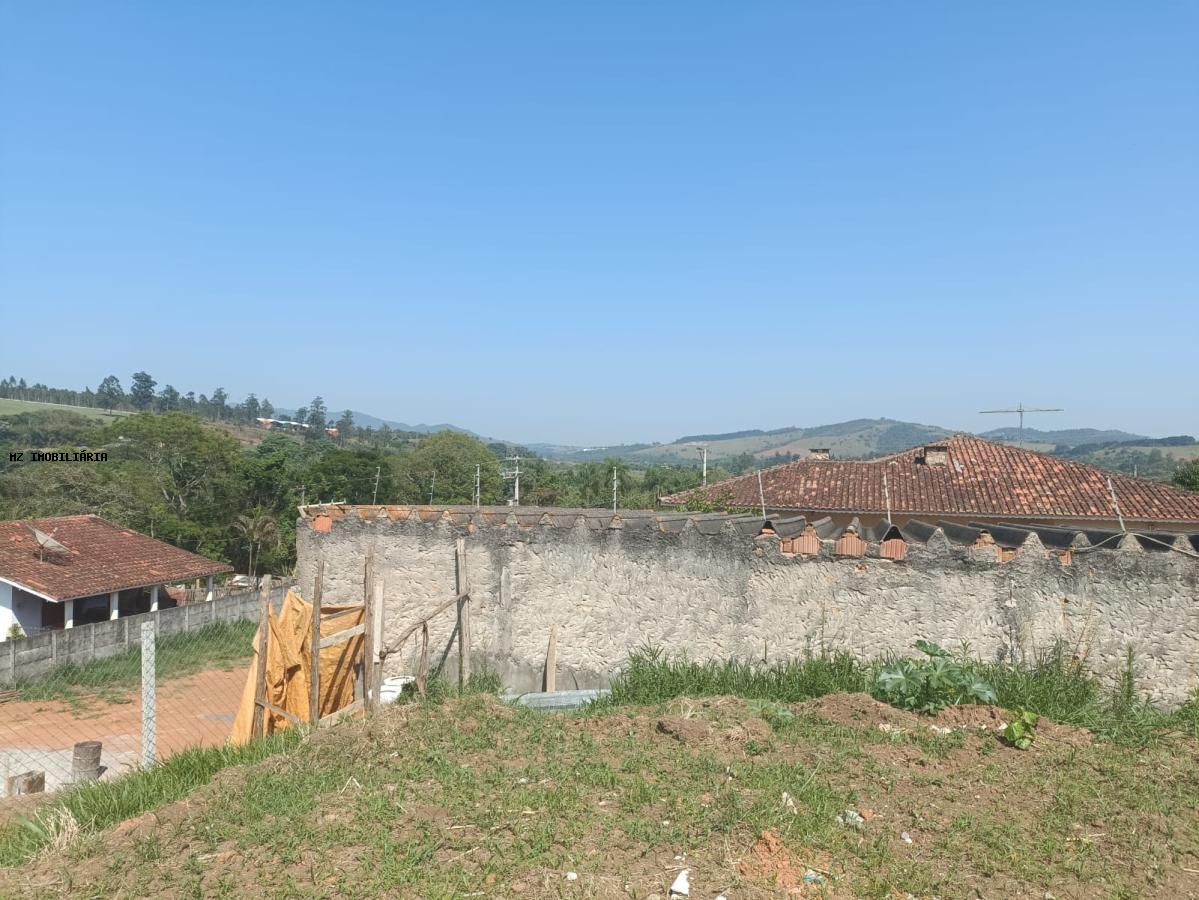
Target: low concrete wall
29,657
716,589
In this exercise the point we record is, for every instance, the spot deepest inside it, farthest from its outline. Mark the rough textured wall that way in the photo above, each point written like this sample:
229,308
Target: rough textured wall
709,588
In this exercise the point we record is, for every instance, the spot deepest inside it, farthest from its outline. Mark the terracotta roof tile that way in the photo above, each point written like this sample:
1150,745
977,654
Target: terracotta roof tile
981,478
101,558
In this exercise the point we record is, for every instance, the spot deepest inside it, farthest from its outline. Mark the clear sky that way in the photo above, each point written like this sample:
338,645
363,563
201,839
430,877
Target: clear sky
602,222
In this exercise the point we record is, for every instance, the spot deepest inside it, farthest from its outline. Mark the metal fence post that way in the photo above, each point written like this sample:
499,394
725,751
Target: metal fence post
148,696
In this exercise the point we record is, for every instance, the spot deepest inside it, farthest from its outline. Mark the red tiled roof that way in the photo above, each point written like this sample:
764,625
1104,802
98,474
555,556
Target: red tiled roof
102,558
981,478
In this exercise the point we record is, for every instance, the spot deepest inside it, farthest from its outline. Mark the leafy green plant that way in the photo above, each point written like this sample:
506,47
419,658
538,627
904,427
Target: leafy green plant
929,685
776,714
1022,729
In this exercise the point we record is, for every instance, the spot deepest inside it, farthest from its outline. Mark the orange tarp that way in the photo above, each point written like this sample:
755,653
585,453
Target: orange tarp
288,665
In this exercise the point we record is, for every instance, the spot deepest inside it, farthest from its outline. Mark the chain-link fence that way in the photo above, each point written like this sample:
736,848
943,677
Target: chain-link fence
98,700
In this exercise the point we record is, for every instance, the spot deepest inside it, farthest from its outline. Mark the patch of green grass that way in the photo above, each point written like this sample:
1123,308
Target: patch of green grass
1050,685
218,645
652,677
102,804
433,799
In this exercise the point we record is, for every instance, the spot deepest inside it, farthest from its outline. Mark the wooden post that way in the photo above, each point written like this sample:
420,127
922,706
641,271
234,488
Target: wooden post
368,631
314,697
374,663
85,764
551,660
423,666
463,590
258,727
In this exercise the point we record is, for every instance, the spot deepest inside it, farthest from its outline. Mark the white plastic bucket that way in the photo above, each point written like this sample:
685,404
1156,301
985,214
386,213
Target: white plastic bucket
391,688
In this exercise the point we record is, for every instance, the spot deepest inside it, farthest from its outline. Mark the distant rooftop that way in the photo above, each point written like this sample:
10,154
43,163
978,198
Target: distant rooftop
97,557
963,475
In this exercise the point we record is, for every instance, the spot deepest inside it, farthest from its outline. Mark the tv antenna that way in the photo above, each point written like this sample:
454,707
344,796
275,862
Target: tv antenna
46,544
1020,410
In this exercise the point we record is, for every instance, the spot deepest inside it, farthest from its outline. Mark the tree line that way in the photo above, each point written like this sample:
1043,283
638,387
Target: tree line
176,477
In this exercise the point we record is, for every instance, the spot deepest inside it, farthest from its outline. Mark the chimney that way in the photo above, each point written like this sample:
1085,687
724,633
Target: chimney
820,453
936,455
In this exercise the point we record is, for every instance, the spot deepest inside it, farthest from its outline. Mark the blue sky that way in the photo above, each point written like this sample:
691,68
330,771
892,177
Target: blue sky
590,223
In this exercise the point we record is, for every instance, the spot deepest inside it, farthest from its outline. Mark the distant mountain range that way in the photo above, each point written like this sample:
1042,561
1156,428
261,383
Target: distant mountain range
1070,437
853,439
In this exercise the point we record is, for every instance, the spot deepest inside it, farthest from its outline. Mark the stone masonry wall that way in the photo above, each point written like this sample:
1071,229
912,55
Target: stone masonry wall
715,589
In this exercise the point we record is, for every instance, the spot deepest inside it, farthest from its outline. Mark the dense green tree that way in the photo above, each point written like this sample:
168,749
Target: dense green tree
218,402
45,429
251,408
192,468
317,417
267,409
141,392
350,475
168,399
109,393
1187,476
345,426
444,464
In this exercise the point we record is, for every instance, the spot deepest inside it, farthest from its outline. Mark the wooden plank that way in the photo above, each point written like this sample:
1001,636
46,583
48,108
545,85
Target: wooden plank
314,696
356,706
396,645
258,725
551,660
462,589
342,609
340,637
280,711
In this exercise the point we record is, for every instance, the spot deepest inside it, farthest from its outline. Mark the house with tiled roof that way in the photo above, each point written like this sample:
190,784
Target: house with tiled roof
72,570
964,480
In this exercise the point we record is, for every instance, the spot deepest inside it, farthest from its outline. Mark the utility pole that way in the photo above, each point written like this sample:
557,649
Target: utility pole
478,483
1020,409
432,484
614,483
513,475
375,496
703,451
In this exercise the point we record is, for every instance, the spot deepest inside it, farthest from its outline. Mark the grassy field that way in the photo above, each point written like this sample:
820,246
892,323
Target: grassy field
470,797
220,645
13,407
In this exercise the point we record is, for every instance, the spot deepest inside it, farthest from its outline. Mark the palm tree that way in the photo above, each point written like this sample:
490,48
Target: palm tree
261,530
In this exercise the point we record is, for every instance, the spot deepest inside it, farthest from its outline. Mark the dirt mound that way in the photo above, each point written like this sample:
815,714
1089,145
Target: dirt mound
863,711
858,711
993,719
699,732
